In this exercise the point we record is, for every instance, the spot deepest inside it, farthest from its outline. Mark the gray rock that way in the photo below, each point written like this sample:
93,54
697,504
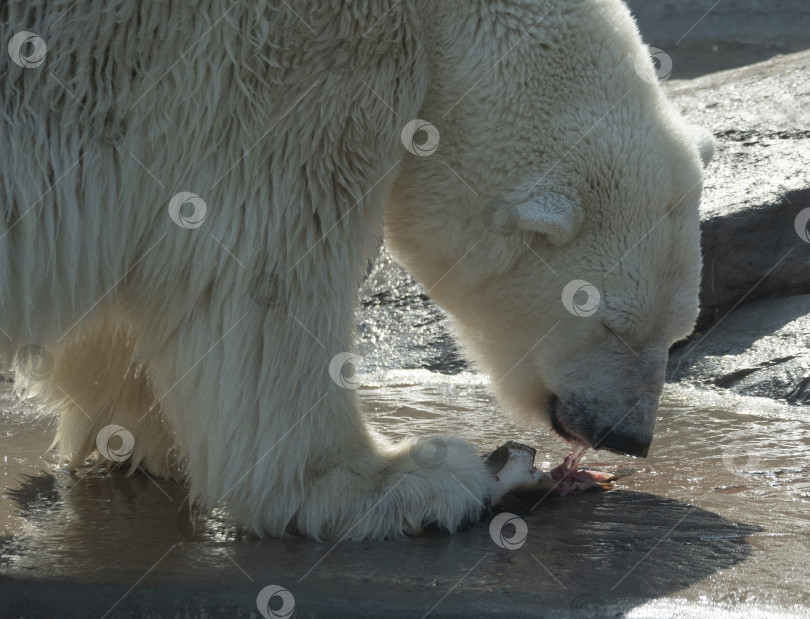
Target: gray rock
758,183
705,35
399,326
760,349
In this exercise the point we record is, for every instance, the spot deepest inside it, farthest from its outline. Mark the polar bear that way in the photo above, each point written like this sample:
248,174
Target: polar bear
192,190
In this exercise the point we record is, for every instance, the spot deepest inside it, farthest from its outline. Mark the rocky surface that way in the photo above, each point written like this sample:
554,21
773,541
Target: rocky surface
756,243
761,349
758,183
400,327
704,527
707,35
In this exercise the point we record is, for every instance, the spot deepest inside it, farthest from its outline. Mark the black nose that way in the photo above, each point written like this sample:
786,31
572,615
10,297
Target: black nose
623,444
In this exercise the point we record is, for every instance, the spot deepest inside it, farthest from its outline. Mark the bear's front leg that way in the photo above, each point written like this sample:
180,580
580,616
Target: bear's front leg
268,433
241,353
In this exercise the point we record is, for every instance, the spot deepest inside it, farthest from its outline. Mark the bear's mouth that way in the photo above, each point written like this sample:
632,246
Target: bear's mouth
559,427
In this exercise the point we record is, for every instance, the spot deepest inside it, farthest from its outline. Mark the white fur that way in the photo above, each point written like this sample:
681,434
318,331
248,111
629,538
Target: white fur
602,134
294,146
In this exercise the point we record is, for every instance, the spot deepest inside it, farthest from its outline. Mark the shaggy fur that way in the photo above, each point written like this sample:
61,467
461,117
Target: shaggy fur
212,344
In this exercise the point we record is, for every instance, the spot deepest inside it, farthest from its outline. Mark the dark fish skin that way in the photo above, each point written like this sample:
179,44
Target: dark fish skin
496,460
512,480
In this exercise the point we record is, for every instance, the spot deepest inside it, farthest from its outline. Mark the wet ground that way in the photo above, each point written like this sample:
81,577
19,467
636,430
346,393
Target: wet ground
716,520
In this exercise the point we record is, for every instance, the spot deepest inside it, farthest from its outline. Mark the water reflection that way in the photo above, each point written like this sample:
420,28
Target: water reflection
718,513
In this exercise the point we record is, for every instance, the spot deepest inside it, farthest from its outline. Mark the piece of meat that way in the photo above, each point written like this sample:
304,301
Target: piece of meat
512,464
573,481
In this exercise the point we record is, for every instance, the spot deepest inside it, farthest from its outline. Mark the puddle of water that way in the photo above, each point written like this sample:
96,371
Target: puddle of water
722,503
747,459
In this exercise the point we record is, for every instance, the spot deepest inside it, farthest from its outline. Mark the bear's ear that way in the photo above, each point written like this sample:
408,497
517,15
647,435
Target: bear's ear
556,216
704,140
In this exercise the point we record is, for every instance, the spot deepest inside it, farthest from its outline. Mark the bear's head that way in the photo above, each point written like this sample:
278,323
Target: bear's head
557,219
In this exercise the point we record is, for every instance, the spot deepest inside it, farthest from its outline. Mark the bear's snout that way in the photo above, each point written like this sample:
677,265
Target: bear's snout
581,421
627,444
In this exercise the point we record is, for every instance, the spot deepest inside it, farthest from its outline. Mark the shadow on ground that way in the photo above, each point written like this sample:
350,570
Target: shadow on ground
127,547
